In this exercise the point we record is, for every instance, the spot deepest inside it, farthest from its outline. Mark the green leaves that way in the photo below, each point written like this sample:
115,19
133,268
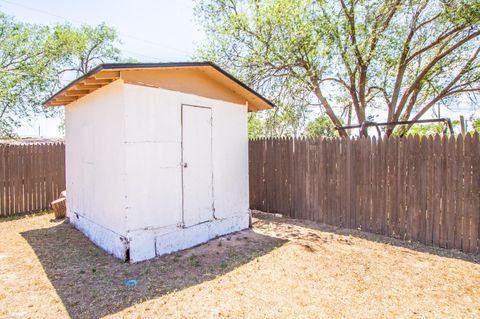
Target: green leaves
321,126
476,125
85,47
401,57
34,58
24,71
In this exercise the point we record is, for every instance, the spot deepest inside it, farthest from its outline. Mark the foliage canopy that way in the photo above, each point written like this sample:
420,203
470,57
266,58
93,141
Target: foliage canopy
35,58
349,56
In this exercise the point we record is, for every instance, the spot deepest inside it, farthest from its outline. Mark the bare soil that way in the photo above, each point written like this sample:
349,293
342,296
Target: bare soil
281,268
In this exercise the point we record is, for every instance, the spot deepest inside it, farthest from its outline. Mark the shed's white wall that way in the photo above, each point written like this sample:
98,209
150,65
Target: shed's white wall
153,150
153,172
95,165
123,154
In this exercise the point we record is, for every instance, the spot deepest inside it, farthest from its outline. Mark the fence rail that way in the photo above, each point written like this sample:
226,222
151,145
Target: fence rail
31,176
423,189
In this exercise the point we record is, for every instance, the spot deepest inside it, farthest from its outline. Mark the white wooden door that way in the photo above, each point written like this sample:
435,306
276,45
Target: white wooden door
197,172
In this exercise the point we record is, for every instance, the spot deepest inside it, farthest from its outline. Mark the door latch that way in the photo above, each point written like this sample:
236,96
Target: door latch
184,165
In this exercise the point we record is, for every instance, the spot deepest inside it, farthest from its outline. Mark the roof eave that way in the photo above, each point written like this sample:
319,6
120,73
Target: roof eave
120,66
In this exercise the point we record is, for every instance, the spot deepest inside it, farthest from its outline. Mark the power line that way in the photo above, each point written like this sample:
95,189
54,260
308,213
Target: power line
141,54
85,22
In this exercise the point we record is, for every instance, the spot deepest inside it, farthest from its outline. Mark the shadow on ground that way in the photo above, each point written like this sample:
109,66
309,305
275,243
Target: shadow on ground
92,284
276,222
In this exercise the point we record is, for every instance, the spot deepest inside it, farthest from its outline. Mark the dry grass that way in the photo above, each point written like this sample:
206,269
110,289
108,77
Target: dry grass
280,269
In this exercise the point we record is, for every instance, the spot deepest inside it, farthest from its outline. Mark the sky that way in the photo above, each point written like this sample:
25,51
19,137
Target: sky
150,31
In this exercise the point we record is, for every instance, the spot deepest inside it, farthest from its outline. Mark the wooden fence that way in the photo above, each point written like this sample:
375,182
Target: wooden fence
31,176
422,189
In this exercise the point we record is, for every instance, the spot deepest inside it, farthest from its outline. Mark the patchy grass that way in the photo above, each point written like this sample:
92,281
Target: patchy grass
281,268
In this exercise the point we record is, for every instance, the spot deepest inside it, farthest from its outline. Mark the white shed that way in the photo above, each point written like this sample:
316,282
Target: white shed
157,155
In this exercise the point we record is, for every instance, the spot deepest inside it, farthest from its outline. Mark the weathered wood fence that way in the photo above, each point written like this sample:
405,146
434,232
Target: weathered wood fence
31,176
422,189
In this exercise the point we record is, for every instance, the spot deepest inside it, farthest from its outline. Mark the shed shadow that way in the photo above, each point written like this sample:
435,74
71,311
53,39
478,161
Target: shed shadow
276,224
92,284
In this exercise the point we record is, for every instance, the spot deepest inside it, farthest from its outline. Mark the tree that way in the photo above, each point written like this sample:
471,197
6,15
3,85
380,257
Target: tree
35,58
27,57
431,129
283,121
355,55
321,126
87,46
287,119
476,125
255,127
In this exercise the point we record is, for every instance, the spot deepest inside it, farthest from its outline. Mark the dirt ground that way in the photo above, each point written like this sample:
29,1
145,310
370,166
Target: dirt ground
280,269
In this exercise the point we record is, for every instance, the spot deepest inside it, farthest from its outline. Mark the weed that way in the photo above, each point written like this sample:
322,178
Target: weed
194,261
223,264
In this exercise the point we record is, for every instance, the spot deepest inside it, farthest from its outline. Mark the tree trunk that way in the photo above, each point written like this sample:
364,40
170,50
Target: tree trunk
329,111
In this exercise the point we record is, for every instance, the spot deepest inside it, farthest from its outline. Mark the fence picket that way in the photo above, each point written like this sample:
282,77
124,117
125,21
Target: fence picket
2,180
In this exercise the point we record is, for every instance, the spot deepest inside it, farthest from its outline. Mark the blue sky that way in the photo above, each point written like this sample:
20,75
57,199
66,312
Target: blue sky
150,31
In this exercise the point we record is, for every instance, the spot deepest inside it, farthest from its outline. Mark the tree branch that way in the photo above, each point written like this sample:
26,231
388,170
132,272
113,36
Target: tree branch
427,68
446,91
327,107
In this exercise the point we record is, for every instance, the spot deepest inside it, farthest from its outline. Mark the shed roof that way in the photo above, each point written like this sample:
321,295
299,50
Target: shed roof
107,73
